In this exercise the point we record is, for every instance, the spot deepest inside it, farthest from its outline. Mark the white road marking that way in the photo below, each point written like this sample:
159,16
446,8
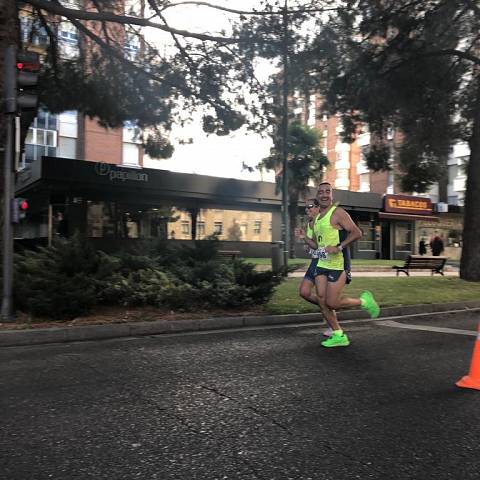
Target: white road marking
457,331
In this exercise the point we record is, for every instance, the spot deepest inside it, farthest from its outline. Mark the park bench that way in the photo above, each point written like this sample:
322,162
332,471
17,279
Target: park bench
229,253
422,262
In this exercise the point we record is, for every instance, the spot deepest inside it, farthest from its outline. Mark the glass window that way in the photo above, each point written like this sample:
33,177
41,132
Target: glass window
367,241
101,219
67,147
365,182
218,228
200,229
130,154
403,237
185,228
257,228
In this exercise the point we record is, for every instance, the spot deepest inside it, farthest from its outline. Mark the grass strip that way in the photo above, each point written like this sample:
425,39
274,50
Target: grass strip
388,291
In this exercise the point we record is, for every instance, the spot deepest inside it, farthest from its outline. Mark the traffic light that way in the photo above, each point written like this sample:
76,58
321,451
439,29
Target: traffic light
19,209
28,67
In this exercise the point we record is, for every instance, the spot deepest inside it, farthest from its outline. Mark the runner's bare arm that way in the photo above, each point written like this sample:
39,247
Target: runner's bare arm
300,234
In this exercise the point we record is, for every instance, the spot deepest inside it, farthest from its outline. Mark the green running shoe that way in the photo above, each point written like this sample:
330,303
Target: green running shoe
336,340
369,304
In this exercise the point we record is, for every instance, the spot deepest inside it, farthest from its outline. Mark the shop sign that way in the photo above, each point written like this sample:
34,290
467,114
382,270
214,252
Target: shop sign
407,204
114,173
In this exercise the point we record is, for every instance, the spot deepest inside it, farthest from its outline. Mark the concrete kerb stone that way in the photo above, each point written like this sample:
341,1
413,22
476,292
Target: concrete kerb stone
118,330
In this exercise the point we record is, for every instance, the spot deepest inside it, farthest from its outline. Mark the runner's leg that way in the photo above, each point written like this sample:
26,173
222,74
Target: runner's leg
305,291
329,314
334,298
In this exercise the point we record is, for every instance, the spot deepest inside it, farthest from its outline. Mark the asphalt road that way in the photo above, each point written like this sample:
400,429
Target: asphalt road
257,404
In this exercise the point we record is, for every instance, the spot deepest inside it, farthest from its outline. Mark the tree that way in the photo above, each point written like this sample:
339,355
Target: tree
306,162
107,79
412,65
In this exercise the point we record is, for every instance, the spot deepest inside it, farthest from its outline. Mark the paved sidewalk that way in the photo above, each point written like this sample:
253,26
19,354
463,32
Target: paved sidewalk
10,338
384,273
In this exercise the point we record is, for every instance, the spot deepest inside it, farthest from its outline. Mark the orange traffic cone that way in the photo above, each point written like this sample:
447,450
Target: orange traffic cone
472,380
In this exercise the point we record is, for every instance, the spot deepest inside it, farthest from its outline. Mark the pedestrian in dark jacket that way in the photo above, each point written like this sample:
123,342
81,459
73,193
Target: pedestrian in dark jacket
422,247
437,246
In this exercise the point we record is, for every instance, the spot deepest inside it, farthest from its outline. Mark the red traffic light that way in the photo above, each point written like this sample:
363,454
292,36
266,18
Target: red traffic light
28,62
28,66
23,204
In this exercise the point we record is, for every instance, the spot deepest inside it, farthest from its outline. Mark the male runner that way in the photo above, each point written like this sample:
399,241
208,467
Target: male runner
334,230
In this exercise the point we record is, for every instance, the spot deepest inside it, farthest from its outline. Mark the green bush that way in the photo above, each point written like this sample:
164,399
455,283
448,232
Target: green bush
70,278
56,282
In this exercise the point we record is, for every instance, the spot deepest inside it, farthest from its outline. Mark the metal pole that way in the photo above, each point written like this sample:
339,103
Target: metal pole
50,224
10,106
285,218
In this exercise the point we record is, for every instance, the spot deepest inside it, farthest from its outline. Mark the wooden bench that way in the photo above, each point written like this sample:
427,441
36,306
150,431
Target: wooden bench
422,262
229,253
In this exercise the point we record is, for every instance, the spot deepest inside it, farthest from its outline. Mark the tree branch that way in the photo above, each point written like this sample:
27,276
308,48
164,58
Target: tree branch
251,12
71,14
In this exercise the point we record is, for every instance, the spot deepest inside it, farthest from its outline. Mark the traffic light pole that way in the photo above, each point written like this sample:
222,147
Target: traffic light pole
10,106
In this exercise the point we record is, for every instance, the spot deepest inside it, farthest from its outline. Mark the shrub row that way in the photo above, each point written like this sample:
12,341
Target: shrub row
70,278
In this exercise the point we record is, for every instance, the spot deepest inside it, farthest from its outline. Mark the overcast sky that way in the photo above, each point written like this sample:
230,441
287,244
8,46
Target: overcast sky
212,155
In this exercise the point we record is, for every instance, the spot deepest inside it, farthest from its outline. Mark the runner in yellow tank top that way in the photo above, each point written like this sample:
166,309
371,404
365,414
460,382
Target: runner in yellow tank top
334,230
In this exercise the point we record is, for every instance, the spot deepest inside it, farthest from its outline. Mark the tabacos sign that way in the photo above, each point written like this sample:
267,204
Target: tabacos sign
407,204
114,173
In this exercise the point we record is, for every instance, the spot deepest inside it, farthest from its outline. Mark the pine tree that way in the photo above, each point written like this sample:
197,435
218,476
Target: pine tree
413,66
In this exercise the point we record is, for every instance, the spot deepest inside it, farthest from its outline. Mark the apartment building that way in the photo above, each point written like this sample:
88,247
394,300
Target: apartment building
399,233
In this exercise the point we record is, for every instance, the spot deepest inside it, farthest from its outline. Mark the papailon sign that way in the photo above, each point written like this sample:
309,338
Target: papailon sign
407,204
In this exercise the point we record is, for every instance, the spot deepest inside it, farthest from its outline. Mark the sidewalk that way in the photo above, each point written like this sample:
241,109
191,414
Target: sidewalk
384,273
10,338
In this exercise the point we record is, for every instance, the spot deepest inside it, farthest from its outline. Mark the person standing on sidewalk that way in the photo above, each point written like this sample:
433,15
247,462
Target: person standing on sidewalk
334,230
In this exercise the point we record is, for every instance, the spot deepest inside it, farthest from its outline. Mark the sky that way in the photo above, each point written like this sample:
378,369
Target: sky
210,154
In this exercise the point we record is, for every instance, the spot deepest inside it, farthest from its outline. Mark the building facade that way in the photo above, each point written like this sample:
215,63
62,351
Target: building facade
400,234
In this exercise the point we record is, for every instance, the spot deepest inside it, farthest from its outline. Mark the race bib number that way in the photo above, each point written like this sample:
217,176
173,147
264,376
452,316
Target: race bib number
320,253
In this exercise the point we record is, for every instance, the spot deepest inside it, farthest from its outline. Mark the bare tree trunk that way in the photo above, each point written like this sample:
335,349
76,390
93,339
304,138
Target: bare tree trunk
443,182
470,261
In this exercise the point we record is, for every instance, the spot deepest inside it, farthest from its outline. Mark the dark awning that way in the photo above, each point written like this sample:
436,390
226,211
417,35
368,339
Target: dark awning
404,216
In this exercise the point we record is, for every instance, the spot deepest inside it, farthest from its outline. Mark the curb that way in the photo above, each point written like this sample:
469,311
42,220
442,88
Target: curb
10,338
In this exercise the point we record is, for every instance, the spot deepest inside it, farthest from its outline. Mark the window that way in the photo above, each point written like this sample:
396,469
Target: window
185,228
200,229
41,137
244,229
364,182
68,40
341,174
33,32
218,228
130,154
101,219
132,45
68,37
257,227
67,147
367,241
403,237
